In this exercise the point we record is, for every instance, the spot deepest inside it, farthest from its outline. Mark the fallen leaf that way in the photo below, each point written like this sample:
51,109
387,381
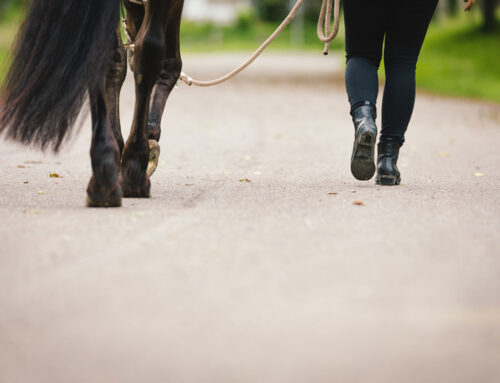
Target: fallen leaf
25,182
41,192
55,175
358,203
33,211
21,166
33,162
245,180
478,174
333,193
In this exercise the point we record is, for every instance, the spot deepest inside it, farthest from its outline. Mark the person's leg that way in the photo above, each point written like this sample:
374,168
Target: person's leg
405,35
365,28
365,25
406,31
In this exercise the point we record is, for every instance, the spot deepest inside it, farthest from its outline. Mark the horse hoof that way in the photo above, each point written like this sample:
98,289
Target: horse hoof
111,201
154,156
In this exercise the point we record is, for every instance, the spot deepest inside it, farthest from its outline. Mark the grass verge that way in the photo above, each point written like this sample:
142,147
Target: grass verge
458,59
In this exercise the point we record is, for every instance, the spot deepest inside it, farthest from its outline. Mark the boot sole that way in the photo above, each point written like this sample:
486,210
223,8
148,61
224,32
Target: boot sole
388,180
362,160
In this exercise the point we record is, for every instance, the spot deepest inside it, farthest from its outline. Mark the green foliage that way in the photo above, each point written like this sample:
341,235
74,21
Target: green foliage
271,10
245,21
7,33
459,59
10,8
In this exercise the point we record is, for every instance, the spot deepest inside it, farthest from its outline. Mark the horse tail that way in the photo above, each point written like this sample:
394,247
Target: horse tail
62,49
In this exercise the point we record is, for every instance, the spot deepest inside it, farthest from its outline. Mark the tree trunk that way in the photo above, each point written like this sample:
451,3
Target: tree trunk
451,7
489,20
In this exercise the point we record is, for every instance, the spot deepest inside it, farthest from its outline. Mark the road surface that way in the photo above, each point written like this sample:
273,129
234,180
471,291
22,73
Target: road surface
301,275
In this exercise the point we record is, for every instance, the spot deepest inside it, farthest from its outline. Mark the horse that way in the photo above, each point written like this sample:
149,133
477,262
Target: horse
68,49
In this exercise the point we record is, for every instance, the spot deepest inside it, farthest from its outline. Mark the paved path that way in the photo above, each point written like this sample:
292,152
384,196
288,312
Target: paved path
273,280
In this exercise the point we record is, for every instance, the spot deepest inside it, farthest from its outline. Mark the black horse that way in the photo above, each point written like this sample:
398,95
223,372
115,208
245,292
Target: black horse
66,48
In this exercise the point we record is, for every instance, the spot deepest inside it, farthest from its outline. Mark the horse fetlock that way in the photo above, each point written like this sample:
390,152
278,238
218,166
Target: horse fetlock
135,182
154,130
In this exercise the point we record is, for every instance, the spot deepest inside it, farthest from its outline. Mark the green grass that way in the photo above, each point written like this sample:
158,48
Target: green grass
248,37
458,59
7,33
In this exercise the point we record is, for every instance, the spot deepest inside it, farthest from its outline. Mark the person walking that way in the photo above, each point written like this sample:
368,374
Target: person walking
403,24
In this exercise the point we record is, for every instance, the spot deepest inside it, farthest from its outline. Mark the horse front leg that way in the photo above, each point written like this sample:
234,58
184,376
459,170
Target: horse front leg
169,74
148,54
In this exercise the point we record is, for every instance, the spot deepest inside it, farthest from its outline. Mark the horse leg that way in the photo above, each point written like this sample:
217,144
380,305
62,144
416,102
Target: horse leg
104,188
114,82
170,72
148,54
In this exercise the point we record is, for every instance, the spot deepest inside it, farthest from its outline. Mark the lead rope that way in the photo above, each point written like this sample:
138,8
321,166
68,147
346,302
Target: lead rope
323,30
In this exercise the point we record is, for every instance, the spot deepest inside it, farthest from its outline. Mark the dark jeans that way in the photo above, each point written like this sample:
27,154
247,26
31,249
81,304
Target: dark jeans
403,24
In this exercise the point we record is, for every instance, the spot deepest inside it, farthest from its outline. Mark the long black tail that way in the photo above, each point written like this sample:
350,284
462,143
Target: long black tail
62,49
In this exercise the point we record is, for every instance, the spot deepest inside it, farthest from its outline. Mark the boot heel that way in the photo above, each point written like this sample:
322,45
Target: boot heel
387,180
362,161
367,139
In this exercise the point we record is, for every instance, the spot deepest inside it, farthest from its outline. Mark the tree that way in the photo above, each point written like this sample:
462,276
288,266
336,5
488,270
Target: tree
452,7
271,10
489,14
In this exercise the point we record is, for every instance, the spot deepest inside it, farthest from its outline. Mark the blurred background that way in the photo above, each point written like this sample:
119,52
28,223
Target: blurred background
461,56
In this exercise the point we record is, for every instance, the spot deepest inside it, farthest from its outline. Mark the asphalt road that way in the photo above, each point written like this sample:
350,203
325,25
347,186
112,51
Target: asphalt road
281,279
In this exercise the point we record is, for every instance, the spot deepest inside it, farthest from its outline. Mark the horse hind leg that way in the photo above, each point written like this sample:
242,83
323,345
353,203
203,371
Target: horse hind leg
114,81
148,54
104,187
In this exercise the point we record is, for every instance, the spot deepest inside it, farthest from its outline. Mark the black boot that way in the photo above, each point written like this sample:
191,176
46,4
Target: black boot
365,137
387,170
